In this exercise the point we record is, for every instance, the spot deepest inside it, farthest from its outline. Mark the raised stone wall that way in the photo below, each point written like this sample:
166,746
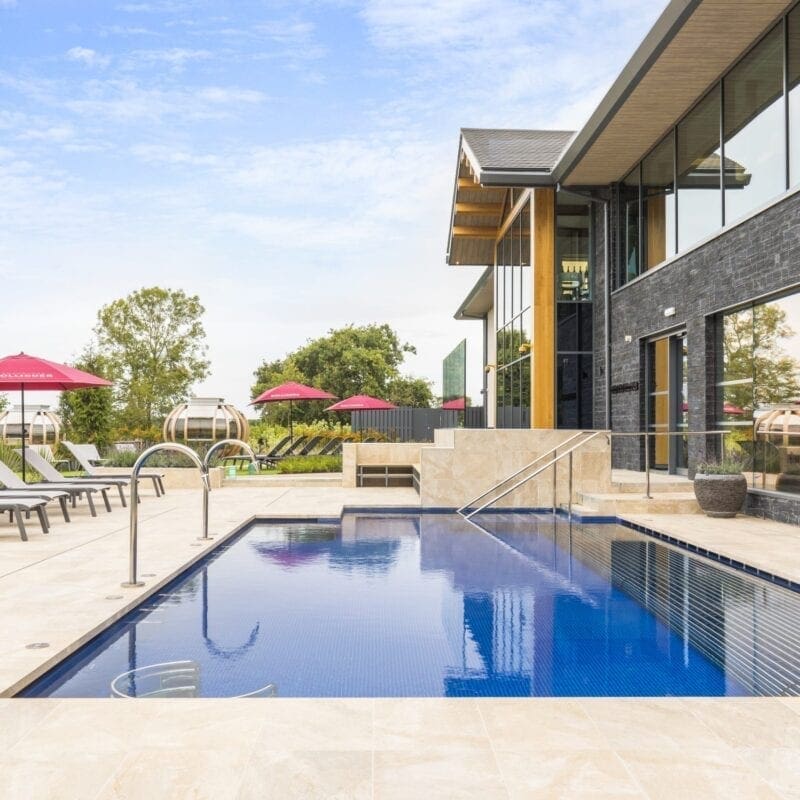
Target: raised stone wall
478,459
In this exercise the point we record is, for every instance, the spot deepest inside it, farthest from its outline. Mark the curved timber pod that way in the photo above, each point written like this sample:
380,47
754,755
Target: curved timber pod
205,420
780,426
44,425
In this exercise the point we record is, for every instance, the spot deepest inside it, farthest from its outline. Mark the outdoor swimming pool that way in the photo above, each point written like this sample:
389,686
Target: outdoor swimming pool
429,605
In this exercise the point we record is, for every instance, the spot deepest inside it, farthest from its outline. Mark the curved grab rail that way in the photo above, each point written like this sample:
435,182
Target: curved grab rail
224,443
134,524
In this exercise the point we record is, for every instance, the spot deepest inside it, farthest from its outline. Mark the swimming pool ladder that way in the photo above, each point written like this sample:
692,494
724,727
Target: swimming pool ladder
132,581
554,458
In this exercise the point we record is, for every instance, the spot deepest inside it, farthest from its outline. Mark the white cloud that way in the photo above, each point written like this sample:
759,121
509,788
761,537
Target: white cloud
175,57
163,154
87,56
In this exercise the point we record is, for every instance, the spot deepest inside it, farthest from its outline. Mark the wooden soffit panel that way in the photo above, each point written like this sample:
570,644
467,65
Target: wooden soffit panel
475,219
705,46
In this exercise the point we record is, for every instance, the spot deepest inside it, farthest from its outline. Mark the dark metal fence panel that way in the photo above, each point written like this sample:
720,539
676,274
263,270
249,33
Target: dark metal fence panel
474,417
407,424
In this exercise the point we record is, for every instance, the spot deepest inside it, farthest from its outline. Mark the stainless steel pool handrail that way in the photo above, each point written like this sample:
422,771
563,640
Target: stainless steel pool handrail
207,466
132,582
552,463
548,454
227,443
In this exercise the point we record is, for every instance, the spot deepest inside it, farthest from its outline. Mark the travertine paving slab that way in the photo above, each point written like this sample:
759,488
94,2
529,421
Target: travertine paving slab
763,543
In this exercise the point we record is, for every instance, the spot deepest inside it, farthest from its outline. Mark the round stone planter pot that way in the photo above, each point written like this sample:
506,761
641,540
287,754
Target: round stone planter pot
720,495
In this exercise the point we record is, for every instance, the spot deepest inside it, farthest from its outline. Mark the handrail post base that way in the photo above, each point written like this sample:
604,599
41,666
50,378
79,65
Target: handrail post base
129,585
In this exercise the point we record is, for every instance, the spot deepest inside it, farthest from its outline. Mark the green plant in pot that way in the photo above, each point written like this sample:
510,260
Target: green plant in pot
720,487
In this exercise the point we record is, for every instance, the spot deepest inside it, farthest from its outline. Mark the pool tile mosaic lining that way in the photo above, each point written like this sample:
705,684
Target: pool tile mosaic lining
426,605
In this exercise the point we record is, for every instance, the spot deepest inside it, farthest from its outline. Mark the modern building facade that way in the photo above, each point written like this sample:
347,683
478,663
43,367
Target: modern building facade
643,273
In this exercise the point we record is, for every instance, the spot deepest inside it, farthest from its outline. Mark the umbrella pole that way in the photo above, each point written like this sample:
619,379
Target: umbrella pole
291,434
22,403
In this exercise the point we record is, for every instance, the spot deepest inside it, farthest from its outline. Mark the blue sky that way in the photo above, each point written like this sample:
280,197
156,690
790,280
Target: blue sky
290,163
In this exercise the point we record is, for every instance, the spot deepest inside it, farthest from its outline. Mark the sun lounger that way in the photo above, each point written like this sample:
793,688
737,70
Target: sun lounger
308,449
293,449
87,456
76,489
40,494
332,447
278,449
17,506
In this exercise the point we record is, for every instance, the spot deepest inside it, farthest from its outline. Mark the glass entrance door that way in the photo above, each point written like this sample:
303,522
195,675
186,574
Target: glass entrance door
668,402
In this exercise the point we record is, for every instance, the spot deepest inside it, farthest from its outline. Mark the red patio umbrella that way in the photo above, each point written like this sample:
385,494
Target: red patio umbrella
459,404
727,408
361,402
291,391
22,372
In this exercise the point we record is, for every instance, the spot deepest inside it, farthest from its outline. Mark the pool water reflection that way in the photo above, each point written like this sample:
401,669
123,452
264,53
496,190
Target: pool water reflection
430,605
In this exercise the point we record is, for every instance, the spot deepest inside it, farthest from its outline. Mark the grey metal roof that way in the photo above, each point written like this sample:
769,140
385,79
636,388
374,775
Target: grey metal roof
515,150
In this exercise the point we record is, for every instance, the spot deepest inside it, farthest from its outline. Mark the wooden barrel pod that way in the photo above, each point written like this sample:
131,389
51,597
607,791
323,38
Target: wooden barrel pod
780,426
205,420
44,426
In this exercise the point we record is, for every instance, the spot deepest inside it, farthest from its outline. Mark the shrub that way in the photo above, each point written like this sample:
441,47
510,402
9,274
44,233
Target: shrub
726,466
299,464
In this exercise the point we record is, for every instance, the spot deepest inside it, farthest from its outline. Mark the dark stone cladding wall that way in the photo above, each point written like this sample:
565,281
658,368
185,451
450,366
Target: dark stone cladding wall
756,258
773,506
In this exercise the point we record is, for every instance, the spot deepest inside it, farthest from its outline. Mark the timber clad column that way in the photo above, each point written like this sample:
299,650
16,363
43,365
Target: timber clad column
544,323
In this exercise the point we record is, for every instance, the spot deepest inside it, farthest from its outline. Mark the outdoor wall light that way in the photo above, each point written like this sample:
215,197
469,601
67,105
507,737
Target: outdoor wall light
628,339
669,312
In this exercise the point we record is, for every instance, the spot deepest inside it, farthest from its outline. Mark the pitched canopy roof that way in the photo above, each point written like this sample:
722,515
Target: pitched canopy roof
506,157
490,163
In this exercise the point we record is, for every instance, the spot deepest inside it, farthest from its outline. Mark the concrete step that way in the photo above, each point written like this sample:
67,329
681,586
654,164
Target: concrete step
622,503
679,485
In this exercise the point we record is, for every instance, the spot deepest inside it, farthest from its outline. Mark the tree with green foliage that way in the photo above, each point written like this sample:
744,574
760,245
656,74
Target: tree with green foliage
363,359
88,414
753,345
154,342
406,391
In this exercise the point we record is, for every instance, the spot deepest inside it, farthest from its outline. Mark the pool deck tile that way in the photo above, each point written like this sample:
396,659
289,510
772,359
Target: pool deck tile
54,588
765,544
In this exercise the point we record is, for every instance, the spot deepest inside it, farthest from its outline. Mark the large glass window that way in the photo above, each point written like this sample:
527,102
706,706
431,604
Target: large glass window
573,312
572,249
793,24
698,153
515,295
658,204
728,156
758,396
755,167
629,218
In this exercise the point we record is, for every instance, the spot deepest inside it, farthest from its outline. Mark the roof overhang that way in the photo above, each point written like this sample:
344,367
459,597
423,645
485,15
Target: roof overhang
475,217
491,163
690,46
480,300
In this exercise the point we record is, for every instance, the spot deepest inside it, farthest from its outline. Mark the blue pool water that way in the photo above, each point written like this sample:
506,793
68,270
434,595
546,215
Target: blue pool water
429,605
